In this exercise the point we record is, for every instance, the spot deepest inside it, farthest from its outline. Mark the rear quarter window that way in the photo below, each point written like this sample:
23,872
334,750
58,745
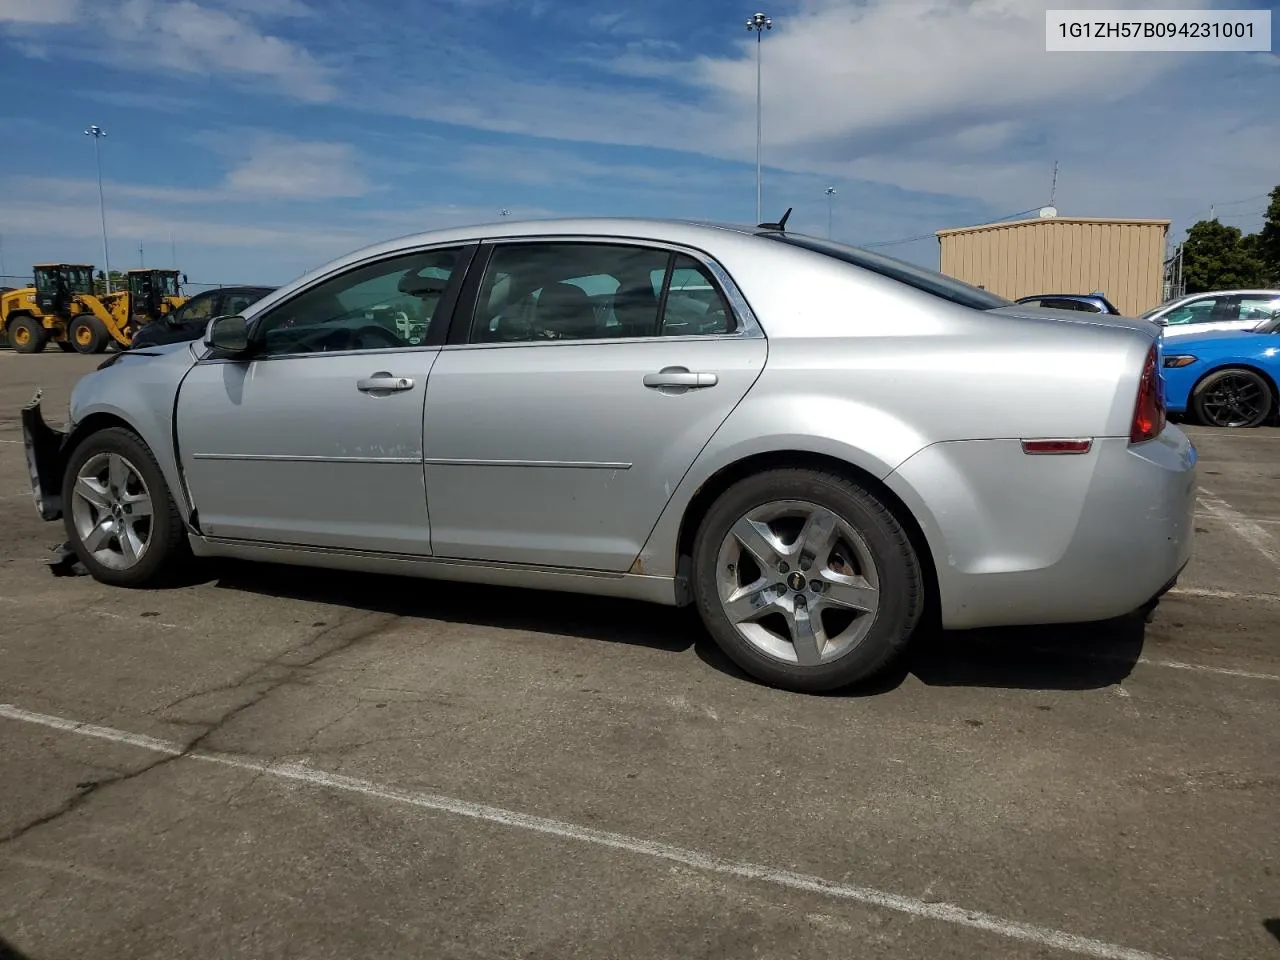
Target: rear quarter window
928,281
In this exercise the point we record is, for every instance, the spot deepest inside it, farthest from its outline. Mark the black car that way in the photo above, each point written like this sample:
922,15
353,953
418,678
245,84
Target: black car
189,321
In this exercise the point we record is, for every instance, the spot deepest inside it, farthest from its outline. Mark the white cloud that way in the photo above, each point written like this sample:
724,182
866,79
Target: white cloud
38,11
298,169
181,36
194,39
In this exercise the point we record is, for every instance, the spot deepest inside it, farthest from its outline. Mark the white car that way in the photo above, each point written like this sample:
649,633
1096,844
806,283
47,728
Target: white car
1220,310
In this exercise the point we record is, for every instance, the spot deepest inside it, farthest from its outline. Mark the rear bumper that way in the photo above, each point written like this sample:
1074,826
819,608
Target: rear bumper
44,450
1053,539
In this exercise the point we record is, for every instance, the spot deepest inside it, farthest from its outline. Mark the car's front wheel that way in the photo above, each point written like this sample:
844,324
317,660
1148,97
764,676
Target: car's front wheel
1234,397
120,517
806,580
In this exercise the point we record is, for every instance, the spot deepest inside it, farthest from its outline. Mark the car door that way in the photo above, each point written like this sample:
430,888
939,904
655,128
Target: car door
588,379
315,438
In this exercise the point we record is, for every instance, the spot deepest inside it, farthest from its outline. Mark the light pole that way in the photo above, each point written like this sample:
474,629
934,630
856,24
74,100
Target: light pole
831,202
98,133
759,23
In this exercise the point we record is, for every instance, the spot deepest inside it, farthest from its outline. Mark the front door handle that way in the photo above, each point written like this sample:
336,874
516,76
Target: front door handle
680,377
383,382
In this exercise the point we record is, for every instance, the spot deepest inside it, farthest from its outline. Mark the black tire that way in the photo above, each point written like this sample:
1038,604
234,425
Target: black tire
902,594
167,549
1233,397
65,346
27,334
88,335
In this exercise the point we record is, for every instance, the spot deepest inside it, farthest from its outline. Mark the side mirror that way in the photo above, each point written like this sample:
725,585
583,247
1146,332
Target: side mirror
227,334
1161,321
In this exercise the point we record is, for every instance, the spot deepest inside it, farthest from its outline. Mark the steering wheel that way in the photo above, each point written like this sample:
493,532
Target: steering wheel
388,338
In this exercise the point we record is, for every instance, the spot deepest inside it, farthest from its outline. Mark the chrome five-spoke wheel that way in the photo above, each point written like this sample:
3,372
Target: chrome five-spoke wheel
806,579
112,510
797,582
120,518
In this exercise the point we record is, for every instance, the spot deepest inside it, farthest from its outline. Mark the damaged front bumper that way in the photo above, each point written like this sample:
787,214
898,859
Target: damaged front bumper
44,449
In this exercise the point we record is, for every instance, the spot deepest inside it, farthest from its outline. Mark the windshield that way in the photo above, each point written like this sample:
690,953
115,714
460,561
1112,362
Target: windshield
166,284
81,279
930,281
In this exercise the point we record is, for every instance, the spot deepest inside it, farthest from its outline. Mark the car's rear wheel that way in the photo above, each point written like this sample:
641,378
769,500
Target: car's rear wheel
27,335
1234,397
806,580
88,335
120,517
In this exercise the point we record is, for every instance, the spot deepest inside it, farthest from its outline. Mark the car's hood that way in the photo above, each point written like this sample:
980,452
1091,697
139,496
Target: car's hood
1077,316
1189,337
1190,341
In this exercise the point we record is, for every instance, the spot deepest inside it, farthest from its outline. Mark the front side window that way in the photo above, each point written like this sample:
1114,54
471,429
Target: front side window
197,308
387,304
1196,311
590,291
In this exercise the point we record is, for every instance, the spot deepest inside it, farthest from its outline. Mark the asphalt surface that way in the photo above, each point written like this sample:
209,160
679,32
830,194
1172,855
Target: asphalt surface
355,767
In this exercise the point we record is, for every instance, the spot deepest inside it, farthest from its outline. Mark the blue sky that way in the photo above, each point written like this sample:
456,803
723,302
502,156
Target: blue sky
267,136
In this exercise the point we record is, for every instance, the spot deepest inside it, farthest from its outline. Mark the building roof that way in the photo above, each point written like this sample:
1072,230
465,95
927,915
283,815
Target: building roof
952,231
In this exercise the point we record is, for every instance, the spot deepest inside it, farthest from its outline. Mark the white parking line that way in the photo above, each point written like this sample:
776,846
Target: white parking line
1248,530
1214,516
1223,594
944,912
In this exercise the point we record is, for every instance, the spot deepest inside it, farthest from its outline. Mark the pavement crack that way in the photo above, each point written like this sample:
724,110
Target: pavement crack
327,643
84,791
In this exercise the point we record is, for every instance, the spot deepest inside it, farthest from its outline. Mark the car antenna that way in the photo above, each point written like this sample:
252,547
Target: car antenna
781,225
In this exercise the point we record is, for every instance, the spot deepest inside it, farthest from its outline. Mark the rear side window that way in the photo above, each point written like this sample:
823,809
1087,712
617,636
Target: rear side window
589,291
928,281
1056,303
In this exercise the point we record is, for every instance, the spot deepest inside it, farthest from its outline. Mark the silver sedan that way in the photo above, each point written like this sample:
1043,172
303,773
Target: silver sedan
823,449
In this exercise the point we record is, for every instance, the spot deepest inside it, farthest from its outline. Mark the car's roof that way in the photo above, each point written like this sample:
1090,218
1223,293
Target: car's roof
1065,296
239,288
677,231
1221,293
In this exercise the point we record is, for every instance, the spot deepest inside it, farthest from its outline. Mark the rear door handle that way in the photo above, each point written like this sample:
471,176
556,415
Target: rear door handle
680,377
383,382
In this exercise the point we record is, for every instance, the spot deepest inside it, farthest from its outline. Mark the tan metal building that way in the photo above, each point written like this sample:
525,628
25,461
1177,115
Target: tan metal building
1122,258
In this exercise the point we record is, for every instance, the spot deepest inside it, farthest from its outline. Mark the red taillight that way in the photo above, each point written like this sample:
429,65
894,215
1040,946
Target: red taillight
1148,412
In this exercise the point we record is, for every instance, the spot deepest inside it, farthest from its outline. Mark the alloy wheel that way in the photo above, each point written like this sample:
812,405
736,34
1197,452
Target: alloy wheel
112,511
1235,400
797,582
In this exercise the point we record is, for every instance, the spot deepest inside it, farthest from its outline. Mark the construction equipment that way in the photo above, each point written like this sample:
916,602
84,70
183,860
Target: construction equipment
63,308
152,294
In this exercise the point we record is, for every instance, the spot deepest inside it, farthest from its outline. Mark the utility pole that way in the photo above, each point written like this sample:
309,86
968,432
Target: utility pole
759,23
1053,190
173,250
141,261
98,133
831,202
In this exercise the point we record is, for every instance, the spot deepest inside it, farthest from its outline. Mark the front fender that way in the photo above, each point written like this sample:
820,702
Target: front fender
138,391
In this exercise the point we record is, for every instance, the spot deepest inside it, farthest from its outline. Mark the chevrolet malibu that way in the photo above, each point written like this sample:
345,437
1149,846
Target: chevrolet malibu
821,448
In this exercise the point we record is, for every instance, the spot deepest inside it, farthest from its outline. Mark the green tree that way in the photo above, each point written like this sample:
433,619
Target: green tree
119,281
1268,240
1216,257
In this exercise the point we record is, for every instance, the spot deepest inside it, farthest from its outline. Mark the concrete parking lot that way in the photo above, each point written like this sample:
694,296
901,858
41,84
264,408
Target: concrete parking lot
295,763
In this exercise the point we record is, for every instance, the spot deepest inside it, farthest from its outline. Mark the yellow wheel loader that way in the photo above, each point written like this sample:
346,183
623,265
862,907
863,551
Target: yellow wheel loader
63,308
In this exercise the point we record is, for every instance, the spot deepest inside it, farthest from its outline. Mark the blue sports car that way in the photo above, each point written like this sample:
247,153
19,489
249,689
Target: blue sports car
1225,378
